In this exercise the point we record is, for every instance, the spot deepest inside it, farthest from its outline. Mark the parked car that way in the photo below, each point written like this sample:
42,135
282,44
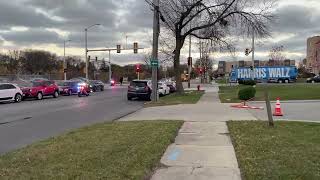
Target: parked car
139,89
68,87
163,89
39,89
315,79
96,85
80,79
10,92
172,88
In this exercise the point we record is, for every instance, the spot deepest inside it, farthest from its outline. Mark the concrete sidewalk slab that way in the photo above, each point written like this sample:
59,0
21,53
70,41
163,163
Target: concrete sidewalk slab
206,156
203,149
203,111
203,134
197,173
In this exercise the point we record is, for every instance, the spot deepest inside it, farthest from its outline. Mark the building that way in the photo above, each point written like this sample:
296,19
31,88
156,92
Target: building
313,54
225,67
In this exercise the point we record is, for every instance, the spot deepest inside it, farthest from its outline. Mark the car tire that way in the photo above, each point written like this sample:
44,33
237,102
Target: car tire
102,88
39,96
79,94
129,98
313,82
18,98
94,89
286,81
70,92
56,94
280,81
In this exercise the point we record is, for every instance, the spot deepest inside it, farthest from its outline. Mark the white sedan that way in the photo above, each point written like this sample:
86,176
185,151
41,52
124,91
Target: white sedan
163,89
10,92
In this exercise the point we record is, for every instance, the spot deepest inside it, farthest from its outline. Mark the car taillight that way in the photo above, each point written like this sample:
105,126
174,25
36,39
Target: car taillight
130,88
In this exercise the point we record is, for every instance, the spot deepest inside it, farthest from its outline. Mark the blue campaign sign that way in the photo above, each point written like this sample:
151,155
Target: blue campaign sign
265,73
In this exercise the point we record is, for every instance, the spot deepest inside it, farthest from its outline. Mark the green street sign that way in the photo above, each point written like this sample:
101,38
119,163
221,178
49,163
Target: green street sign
154,63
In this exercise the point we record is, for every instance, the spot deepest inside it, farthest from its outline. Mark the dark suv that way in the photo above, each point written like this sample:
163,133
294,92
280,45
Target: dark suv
139,89
96,85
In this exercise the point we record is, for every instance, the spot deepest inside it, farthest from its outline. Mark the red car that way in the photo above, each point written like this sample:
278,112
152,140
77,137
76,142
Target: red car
39,89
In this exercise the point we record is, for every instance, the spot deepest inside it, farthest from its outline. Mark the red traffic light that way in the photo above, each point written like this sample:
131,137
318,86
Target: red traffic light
138,69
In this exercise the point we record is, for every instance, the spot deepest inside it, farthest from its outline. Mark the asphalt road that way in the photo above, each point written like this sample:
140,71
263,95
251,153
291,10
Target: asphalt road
292,110
30,121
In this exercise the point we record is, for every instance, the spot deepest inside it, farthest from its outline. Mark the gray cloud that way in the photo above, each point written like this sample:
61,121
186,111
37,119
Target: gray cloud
120,17
32,37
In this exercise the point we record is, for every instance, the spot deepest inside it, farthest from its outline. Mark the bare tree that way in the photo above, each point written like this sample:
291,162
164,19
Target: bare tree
215,20
276,54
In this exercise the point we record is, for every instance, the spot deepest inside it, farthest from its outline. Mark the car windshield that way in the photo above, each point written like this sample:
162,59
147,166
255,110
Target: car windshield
61,83
138,83
23,84
37,84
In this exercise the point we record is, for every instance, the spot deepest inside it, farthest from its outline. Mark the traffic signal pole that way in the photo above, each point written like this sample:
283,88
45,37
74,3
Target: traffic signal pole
156,29
110,71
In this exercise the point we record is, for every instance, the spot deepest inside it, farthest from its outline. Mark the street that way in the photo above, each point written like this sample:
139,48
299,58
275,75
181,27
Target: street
30,121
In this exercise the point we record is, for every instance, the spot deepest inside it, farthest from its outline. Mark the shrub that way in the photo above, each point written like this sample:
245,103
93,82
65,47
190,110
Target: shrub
240,81
247,93
250,82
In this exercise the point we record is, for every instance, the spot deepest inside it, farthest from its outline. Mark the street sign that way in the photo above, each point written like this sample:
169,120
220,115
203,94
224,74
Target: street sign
154,63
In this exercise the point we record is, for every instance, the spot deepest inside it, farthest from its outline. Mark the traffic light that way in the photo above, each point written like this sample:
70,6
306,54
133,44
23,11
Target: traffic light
247,52
135,48
189,61
201,70
138,69
118,48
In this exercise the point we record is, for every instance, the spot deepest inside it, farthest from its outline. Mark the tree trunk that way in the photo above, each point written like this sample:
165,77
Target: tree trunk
176,64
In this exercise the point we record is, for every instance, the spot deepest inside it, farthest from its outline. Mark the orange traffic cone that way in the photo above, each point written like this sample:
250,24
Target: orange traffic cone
278,111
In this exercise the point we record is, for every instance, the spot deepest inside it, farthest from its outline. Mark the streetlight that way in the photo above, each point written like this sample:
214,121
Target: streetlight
86,48
64,59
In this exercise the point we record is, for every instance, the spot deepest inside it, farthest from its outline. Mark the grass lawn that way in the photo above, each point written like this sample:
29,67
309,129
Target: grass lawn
122,150
188,97
290,151
229,94
222,81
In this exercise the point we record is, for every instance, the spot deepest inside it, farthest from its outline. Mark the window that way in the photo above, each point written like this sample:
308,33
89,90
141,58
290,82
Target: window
10,86
2,86
138,84
7,86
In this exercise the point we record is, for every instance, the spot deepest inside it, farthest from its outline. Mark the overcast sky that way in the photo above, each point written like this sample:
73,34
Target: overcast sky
45,24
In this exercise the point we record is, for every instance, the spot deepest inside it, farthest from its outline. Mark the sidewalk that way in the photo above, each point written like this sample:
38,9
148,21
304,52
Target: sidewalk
202,150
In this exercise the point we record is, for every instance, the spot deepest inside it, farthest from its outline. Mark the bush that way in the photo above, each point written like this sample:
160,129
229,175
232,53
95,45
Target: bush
250,82
247,82
247,93
240,81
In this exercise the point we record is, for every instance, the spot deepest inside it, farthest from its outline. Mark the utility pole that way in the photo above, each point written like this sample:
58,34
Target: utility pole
86,54
189,59
253,49
156,29
64,59
86,49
